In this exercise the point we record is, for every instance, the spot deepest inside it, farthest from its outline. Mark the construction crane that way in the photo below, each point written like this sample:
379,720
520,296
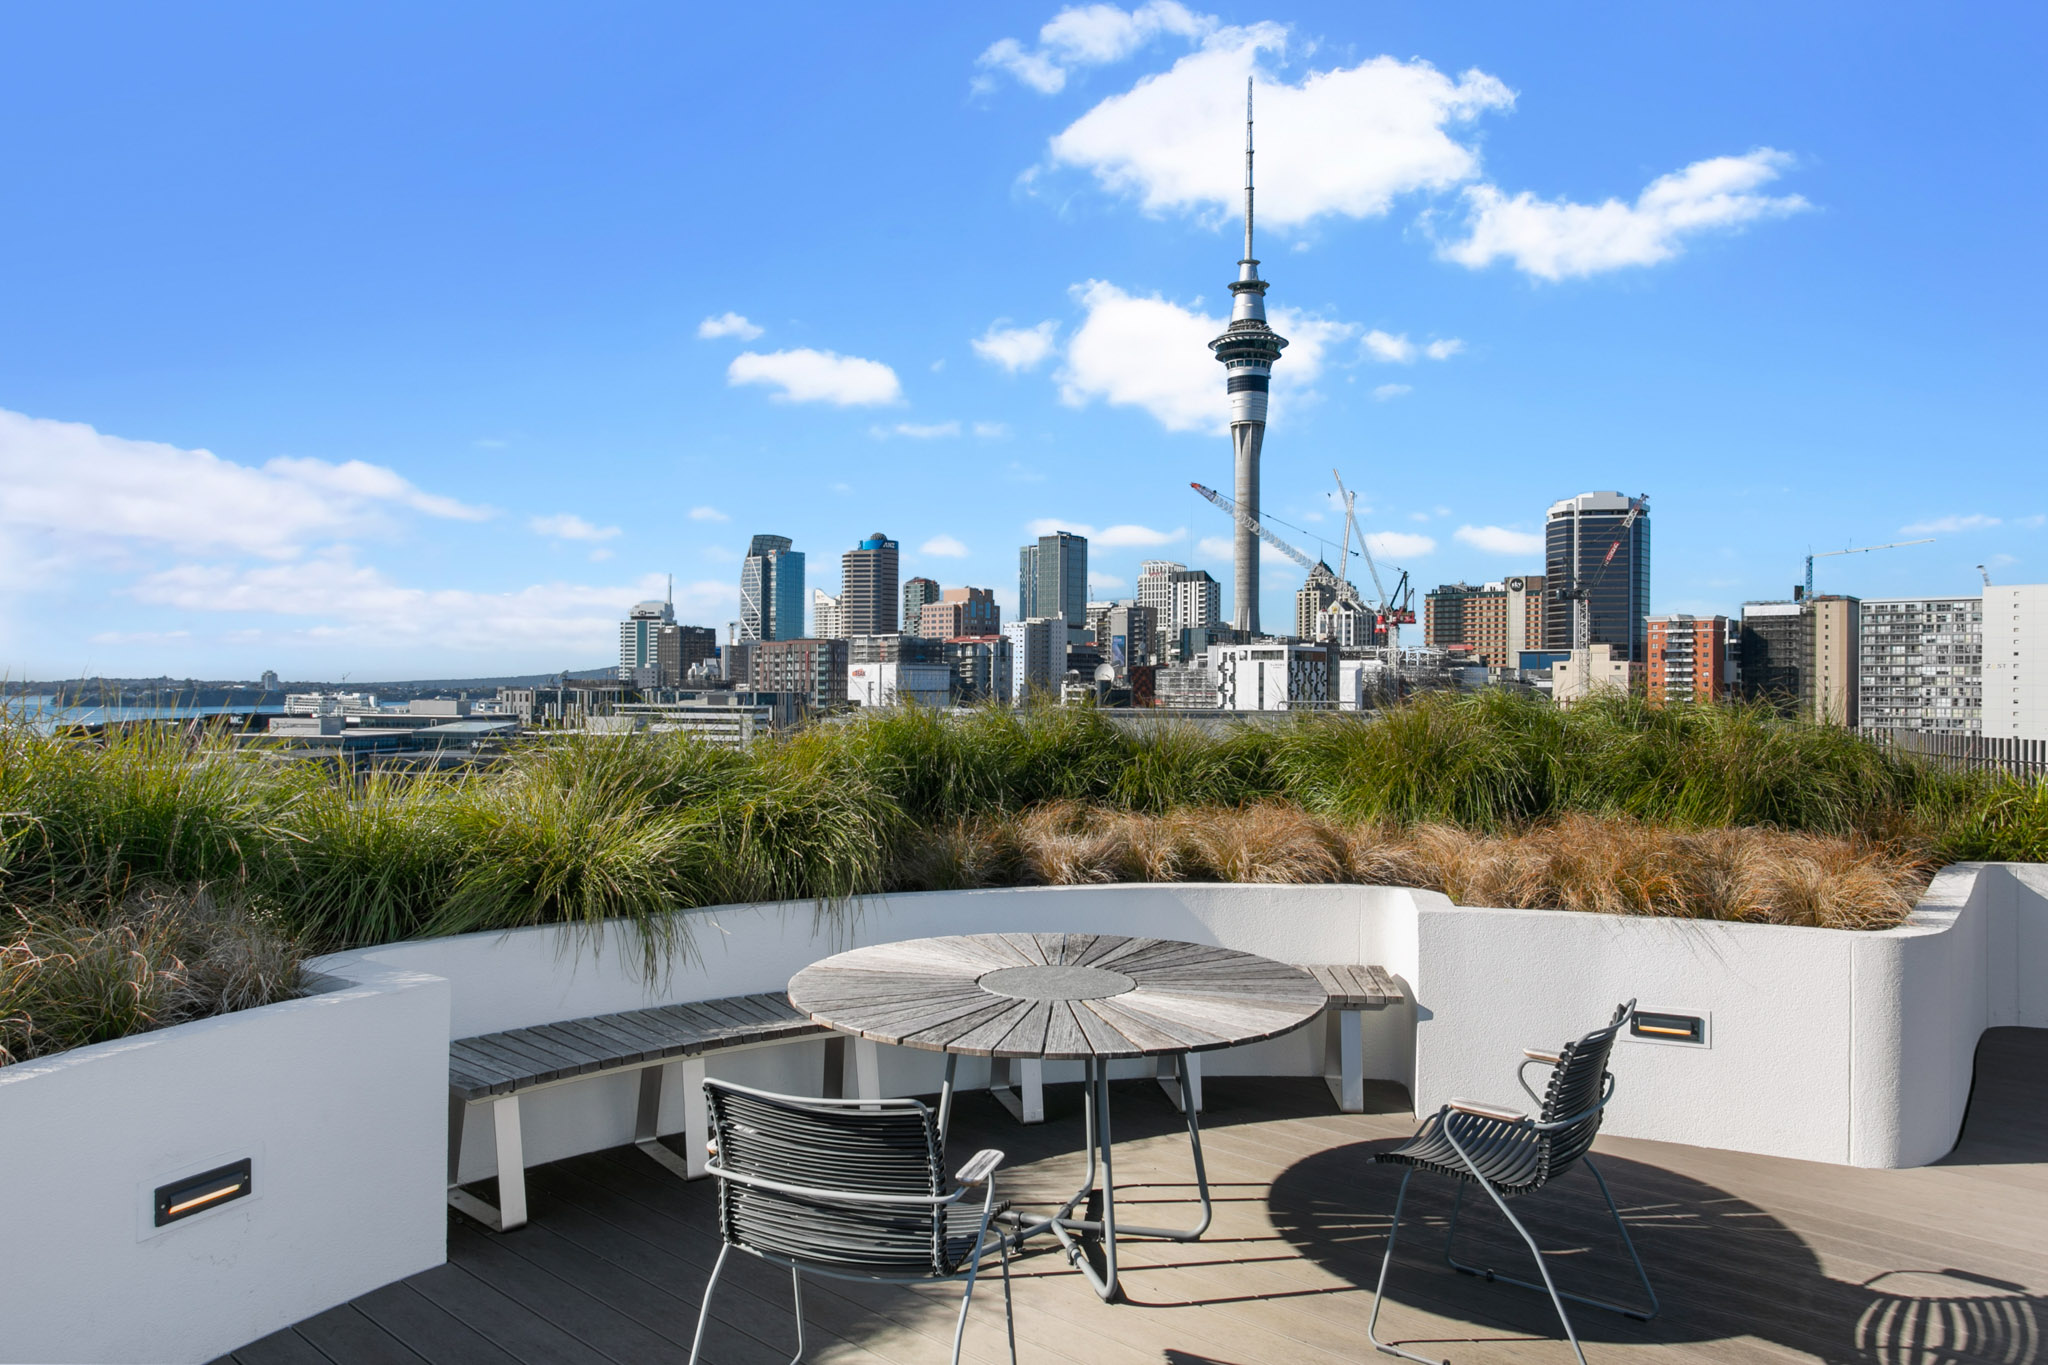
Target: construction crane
1395,611
1985,574
1858,550
1252,524
1580,594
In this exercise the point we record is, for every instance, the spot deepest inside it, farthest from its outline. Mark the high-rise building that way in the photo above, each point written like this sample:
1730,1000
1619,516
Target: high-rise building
1598,544
269,681
1313,599
982,668
1052,580
1922,665
961,611
1583,673
917,593
771,590
638,649
1247,349
1495,621
813,669
1691,659
1804,657
1155,585
868,591
828,616
1126,635
1034,656
2016,662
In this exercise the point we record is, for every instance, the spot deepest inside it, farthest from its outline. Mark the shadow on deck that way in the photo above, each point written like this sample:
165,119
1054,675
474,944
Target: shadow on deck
1755,1258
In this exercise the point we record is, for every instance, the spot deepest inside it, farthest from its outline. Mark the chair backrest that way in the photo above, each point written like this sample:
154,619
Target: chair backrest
840,1147
1576,1084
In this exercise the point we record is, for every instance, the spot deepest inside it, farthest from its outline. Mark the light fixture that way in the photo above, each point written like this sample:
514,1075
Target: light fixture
207,1190
1668,1028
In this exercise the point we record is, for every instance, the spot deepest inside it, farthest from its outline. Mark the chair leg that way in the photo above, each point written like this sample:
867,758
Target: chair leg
796,1289
1556,1300
1009,1314
1624,1310
967,1297
704,1313
1379,1292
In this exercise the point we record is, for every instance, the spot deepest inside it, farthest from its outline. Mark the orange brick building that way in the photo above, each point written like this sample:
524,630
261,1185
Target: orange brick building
1689,659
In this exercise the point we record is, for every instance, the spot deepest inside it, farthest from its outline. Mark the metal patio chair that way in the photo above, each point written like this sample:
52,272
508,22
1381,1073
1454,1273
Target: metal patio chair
849,1189
1507,1153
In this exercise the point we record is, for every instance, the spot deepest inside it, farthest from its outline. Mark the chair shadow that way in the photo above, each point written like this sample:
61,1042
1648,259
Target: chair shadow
1724,1267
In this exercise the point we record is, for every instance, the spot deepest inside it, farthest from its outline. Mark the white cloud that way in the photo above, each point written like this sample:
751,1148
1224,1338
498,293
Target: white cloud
2033,522
1154,354
1106,581
807,376
1557,239
917,431
991,431
1126,536
1398,350
945,547
1388,391
1090,35
727,325
568,526
1499,540
1975,521
1215,547
707,514
68,482
1016,348
1398,545
1045,526
1345,141
348,601
1019,472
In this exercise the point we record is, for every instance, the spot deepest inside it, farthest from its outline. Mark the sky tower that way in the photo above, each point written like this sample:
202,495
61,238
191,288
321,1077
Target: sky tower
1247,348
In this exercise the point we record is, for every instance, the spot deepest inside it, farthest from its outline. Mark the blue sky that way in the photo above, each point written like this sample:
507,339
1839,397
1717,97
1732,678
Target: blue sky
374,340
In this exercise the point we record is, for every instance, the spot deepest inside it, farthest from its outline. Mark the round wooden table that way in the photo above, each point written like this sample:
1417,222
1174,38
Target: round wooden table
1091,998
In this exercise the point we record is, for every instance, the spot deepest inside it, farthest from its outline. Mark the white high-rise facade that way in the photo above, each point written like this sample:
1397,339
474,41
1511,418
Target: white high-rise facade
1247,349
2016,662
1922,664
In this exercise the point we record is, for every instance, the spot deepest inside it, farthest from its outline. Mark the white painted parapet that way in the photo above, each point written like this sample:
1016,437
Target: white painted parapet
339,1100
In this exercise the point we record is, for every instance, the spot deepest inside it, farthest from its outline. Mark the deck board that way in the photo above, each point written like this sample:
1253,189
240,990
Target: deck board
1757,1259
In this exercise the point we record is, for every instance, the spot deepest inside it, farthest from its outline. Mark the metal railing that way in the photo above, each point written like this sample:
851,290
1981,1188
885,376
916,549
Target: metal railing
2025,758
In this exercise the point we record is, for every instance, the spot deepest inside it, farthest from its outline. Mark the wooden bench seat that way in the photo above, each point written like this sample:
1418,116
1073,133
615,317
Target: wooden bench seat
1020,1082
498,1068
1352,991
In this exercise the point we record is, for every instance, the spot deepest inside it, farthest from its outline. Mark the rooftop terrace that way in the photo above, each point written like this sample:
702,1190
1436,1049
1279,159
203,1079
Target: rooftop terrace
1756,1258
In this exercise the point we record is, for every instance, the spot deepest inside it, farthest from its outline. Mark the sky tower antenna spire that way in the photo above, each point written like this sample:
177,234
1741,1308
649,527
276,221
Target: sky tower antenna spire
1248,168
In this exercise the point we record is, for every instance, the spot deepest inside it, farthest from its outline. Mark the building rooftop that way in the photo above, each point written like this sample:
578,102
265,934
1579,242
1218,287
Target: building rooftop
1755,1258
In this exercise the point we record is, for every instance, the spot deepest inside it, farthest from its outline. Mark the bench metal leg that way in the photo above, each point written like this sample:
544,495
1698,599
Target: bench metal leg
510,1211
1170,1066
647,1121
1344,1058
1018,1083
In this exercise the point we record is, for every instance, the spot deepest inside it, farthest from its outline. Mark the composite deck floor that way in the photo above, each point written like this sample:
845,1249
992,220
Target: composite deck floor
1755,1258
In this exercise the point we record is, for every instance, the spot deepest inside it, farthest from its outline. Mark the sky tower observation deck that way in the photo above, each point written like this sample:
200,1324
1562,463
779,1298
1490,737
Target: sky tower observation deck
1247,348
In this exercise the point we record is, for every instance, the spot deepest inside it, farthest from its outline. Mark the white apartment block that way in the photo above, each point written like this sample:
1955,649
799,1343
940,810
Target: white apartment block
828,615
2016,662
1032,656
1922,664
900,684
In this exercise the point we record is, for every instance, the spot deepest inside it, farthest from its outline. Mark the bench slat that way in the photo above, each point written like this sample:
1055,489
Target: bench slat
501,1063
1352,986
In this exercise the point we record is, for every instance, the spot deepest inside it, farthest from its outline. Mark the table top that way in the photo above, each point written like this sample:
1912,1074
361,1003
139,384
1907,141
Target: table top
1056,996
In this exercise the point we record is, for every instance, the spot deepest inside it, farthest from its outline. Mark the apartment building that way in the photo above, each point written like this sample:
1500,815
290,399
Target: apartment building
1922,664
1692,659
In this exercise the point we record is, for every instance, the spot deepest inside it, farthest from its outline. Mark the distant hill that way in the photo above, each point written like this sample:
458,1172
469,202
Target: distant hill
91,688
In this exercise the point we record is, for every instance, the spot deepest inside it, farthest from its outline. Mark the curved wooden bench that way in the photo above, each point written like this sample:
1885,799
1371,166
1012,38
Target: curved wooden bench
499,1068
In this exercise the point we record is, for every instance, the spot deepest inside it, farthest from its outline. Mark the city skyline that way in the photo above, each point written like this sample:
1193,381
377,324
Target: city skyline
470,390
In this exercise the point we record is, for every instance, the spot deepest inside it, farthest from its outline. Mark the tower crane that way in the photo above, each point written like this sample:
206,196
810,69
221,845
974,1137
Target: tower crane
1397,610
1254,525
1858,550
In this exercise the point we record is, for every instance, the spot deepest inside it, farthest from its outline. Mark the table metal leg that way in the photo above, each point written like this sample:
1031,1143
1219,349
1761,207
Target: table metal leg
1093,1252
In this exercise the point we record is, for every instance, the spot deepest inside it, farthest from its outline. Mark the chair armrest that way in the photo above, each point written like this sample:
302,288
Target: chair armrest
1487,1111
1538,1055
980,1166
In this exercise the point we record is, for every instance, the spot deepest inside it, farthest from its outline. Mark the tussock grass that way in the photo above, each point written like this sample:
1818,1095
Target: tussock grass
155,959
1613,806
